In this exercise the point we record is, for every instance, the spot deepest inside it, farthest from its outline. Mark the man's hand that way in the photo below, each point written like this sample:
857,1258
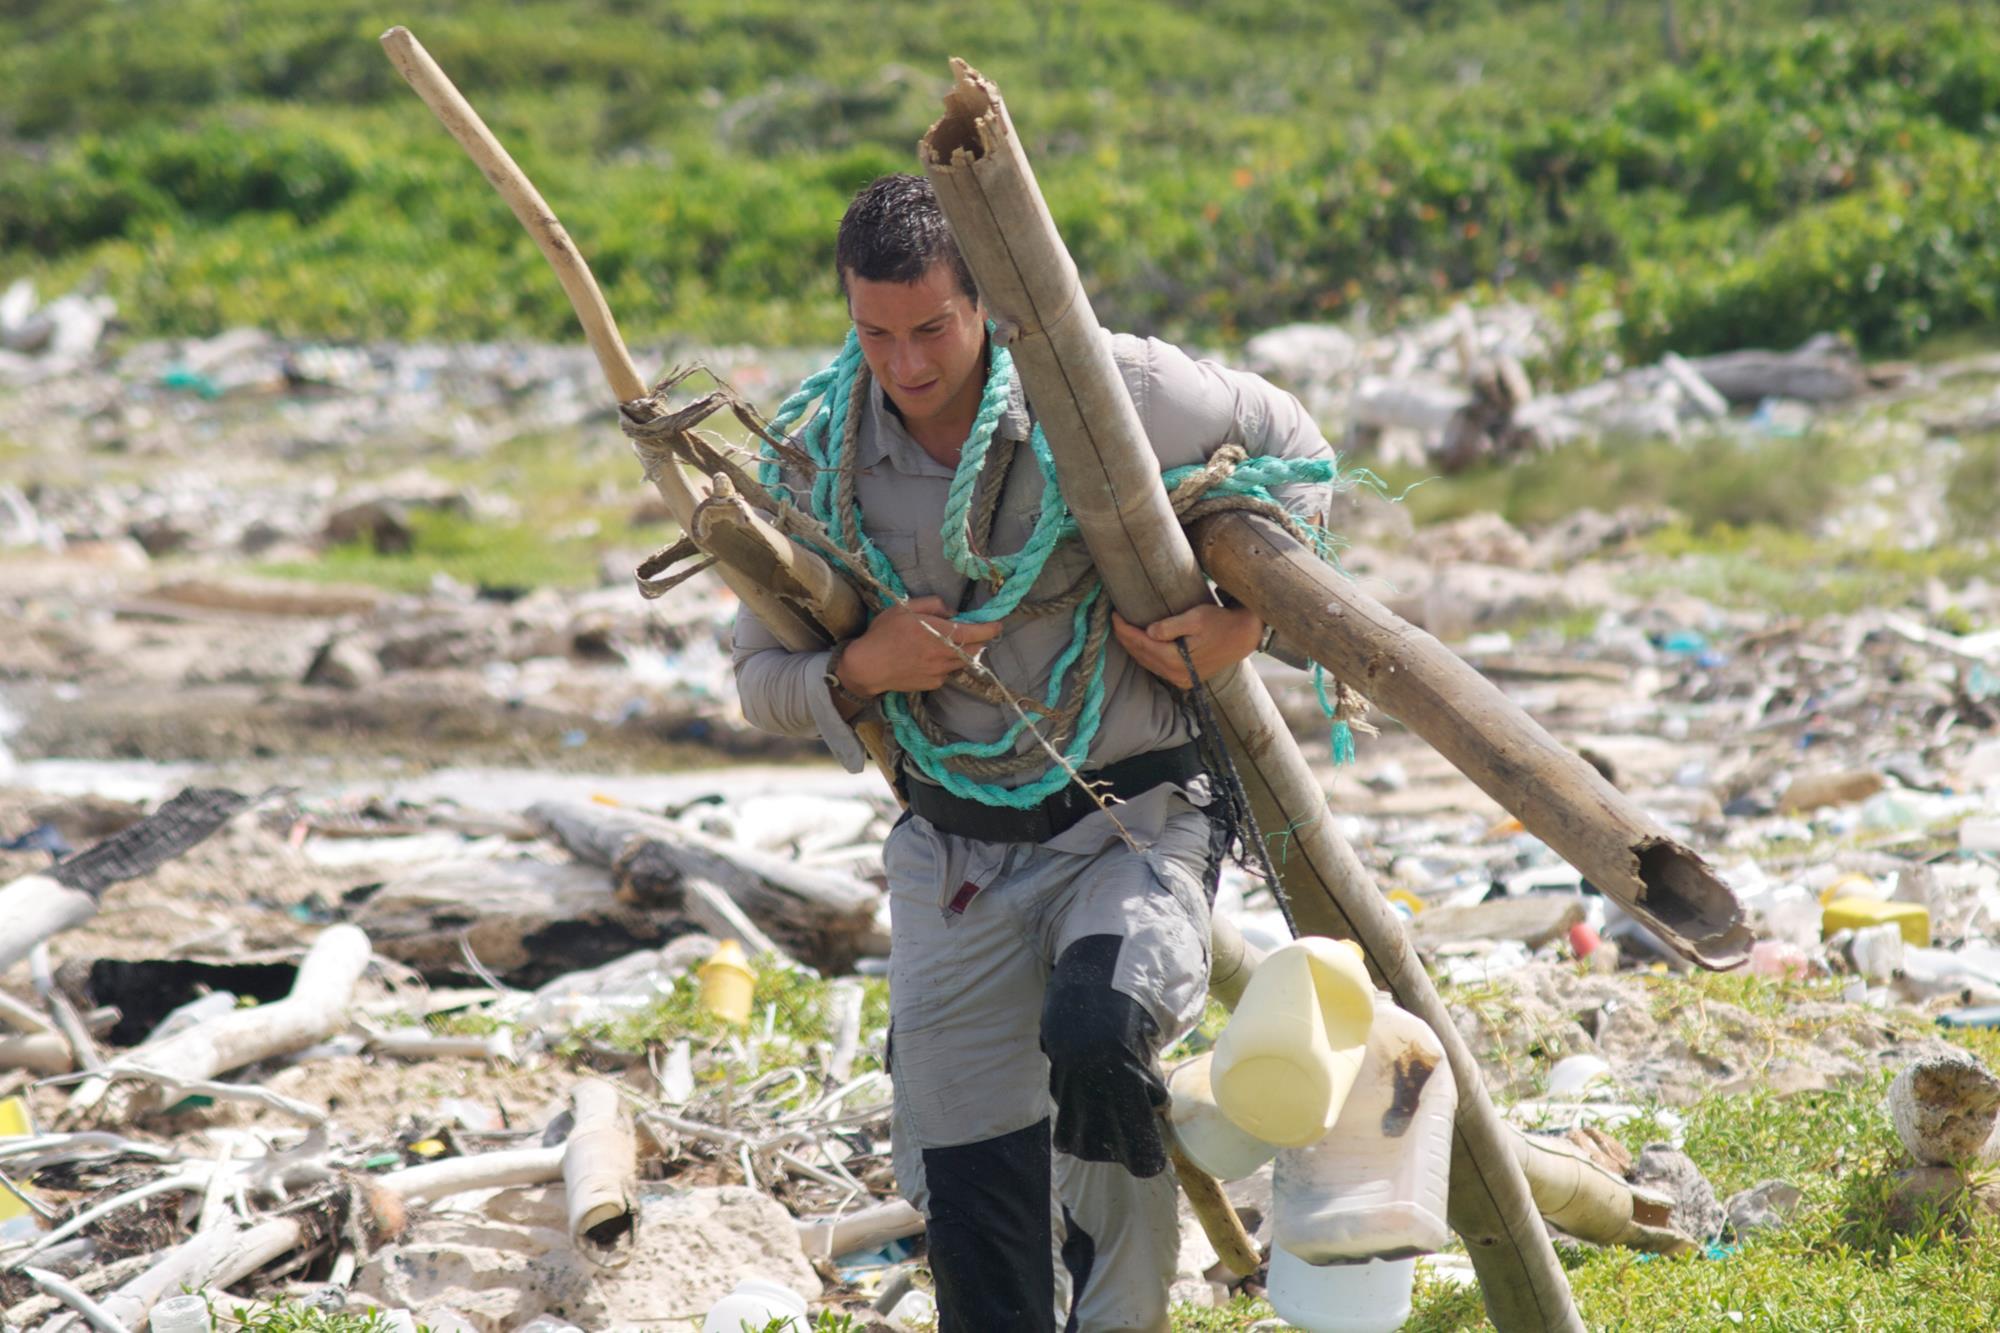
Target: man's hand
1218,637
909,648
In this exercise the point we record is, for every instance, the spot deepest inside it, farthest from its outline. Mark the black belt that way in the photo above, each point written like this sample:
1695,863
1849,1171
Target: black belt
1061,808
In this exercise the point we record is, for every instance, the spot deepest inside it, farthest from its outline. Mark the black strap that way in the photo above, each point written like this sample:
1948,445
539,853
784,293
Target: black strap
1061,808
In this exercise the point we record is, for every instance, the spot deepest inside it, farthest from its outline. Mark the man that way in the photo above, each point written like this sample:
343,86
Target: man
1042,956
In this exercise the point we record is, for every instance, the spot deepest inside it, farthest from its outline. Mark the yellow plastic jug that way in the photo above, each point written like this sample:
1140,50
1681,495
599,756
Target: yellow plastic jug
1913,919
1285,1062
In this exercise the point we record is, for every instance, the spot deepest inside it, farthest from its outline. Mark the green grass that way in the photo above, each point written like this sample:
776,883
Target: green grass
1215,168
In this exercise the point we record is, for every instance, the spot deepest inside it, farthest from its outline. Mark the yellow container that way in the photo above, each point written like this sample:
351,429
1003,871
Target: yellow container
1284,1064
1860,913
726,983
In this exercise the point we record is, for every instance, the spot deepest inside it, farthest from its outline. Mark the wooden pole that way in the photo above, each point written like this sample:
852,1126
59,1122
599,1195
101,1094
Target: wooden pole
1408,674
1110,478
791,590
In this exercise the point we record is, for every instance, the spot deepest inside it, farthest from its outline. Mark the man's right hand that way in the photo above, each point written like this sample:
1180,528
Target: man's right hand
909,648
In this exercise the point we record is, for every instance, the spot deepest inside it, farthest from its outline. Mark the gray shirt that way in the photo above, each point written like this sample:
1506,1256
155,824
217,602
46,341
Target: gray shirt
1189,409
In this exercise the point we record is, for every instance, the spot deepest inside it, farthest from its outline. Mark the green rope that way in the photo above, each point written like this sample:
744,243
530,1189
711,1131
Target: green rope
821,437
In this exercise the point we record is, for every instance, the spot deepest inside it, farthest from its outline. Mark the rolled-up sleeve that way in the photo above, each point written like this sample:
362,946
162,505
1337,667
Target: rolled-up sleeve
785,693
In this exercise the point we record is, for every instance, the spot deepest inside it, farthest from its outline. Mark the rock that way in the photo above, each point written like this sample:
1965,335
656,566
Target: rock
162,534
1762,1207
1672,1172
1944,1106
1810,791
1533,919
343,663
383,524
1478,539
511,1261
1926,1196
1301,355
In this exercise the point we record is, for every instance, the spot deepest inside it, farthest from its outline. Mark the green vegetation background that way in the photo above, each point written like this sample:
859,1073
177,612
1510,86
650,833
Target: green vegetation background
1218,166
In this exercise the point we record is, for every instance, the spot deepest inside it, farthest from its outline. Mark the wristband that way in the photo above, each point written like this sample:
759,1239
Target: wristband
831,676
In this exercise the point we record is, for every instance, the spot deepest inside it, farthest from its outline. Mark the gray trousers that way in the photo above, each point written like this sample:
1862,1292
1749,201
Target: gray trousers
1031,989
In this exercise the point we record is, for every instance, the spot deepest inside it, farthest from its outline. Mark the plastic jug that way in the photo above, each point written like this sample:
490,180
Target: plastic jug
727,983
754,1304
1291,1051
1209,1138
1375,1186
1860,913
1371,1297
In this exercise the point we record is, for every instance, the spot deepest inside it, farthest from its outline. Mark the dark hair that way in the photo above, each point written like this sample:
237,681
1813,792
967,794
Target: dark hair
894,231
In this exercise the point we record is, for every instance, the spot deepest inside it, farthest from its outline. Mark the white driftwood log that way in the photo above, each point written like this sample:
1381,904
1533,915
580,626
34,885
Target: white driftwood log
489,1170
213,1259
1110,479
315,1010
417,1044
600,1160
864,1229
41,1052
34,907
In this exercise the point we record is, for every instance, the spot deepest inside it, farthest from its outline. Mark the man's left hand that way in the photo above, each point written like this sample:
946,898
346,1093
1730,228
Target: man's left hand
1218,637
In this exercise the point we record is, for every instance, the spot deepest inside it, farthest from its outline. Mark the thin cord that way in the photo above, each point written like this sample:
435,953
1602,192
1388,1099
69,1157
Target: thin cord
1215,756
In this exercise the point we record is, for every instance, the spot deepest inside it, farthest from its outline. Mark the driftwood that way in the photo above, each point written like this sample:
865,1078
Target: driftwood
491,1170
315,1010
790,605
864,1229
1110,479
66,895
525,921
1823,370
600,1160
211,1259
1407,673
824,918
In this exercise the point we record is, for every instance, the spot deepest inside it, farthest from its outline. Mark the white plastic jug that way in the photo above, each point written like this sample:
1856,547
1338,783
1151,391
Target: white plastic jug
1292,1049
755,1303
1209,1138
1375,1186
1371,1297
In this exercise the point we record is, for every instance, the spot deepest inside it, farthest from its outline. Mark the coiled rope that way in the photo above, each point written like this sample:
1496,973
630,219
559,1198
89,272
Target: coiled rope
1071,708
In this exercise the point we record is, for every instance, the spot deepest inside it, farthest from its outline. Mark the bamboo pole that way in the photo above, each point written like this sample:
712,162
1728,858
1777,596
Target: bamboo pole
794,592
600,1159
1110,478
1558,797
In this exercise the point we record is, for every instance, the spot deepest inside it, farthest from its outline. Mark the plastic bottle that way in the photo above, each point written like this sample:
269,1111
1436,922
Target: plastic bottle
181,1314
1292,1049
1211,1139
1375,1186
727,984
756,1302
1371,1297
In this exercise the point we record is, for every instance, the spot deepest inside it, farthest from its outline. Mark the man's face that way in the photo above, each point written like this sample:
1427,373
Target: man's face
923,342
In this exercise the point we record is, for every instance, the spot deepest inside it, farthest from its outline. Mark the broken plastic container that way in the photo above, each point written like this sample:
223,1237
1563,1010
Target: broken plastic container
1285,1062
1211,1139
1375,1186
181,1314
1371,1297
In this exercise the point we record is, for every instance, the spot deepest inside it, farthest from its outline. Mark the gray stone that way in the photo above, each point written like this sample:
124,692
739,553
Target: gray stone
1697,1212
343,663
1762,1207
